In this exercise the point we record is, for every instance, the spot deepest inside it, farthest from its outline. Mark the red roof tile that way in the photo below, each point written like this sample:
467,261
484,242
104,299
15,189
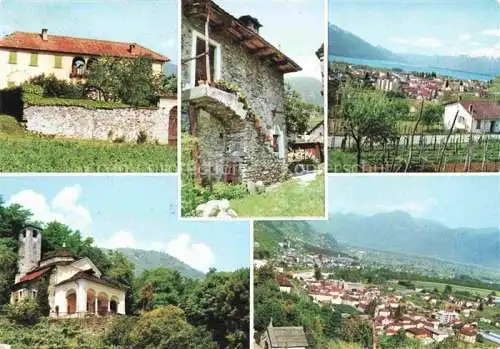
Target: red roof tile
282,280
67,44
33,276
483,110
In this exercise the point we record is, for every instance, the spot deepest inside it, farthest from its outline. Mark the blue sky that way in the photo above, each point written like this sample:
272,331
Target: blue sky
456,201
151,23
444,27
131,211
296,27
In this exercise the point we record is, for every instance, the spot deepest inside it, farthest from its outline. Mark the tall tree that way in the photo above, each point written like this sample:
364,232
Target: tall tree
368,115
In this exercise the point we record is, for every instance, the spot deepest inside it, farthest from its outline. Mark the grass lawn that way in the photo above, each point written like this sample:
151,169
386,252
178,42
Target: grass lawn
440,286
22,152
290,199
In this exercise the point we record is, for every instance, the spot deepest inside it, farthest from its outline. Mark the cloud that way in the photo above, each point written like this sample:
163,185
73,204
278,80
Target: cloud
492,32
418,42
197,255
120,239
465,36
63,207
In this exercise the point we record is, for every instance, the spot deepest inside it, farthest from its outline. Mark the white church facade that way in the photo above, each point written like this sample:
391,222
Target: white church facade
74,286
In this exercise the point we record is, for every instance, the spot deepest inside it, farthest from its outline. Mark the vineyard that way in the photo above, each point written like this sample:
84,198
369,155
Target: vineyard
25,152
423,153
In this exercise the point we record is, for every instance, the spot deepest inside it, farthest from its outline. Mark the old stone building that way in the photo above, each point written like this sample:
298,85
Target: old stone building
283,338
233,91
74,286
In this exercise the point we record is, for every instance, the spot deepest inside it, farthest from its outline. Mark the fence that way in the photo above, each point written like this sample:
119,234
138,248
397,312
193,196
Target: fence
425,153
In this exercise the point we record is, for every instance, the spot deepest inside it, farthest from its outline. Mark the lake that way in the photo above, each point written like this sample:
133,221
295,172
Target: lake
408,67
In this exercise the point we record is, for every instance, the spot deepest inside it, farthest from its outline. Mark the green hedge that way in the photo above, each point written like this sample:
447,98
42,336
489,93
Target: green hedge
34,99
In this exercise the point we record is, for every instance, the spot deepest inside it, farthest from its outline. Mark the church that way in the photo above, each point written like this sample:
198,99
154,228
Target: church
74,285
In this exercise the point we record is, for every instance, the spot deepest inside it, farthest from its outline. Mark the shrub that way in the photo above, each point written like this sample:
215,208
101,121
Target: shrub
32,89
227,191
24,312
142,137
53,87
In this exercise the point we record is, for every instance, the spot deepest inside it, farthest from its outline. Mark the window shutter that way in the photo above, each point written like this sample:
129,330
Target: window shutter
34,59
12,57
58,61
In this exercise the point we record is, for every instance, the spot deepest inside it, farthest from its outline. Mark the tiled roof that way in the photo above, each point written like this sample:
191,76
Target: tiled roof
287,337
282,280
77,46
483,110
60,252
34,275
86,275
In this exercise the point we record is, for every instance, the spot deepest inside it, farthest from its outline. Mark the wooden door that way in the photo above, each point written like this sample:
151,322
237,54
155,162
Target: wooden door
172,126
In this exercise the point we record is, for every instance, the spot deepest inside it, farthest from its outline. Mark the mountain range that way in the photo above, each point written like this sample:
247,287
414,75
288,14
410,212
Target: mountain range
401,233
308,87
268,234
345,44
154,259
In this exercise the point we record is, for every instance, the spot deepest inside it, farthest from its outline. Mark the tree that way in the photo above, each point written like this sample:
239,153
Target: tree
129,80
372,306
166,327
297,111
317,272
170,83
121,273
447,290
220,302
368,115
356,330
432,114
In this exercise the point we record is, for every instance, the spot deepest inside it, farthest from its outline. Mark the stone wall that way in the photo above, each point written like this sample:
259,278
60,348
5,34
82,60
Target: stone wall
225,140
100,124
223,135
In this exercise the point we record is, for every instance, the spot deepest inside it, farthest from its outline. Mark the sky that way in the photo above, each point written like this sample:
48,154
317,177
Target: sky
431,27
296,27
455,201
150,23
131,211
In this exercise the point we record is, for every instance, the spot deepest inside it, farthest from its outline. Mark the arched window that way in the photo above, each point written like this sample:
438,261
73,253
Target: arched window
78,67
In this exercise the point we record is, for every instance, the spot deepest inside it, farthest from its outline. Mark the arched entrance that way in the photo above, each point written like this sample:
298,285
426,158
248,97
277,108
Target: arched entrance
102,304
91,301
78,67
172,126
113,305
71,301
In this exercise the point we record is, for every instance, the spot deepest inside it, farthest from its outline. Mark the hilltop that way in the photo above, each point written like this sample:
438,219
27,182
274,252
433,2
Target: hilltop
145,260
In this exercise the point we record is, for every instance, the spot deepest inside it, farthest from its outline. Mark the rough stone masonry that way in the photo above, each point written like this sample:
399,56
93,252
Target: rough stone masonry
225,137
100,124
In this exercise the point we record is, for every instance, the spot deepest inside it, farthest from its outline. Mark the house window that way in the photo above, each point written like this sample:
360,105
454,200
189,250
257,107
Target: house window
478,124
12,57
33,293
34,60
198,68
58,62
276,143
461,120
201,63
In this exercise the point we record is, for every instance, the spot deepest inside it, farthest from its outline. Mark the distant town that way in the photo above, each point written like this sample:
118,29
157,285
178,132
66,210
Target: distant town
427,313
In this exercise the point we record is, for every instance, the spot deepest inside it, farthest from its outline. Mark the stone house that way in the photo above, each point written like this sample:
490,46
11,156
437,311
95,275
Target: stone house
283,337
75,287
235,103
26,55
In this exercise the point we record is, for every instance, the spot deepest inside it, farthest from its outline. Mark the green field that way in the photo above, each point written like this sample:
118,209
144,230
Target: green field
290,199
23,152
440,286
